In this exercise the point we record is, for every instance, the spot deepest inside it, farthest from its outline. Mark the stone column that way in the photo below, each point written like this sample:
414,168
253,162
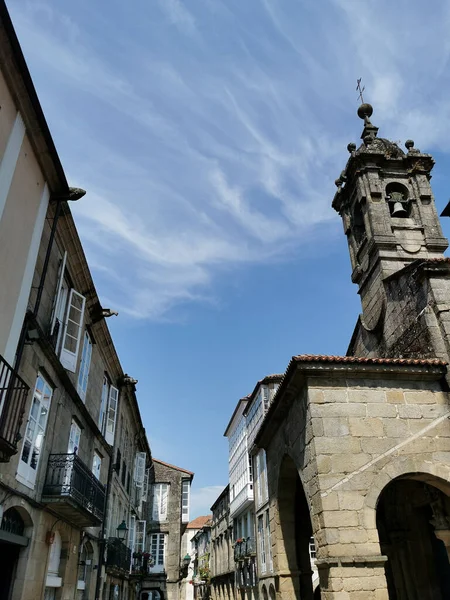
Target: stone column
353,578
444,536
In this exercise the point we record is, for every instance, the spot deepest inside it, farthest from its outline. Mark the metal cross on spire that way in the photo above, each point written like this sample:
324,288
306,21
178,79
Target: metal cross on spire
360,89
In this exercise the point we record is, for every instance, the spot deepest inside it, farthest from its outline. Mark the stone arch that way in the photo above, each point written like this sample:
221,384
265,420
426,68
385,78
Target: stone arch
265,595
413,523
272,593
293,533
406,466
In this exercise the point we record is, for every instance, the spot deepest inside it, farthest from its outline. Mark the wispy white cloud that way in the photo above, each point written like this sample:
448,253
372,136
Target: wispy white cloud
202,499
178,14
208,134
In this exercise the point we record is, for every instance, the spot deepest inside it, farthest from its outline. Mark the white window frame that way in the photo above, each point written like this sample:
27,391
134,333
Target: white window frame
185,494
74,438
158,545
269,541
59,303
160,498
35,431
103,405
73,327
111,414
140,532
139,469
96,464
262,545
85,363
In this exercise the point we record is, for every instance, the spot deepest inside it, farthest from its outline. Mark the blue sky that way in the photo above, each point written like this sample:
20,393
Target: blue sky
208,134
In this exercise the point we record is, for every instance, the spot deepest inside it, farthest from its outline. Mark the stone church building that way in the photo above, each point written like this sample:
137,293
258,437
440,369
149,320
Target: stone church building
358,446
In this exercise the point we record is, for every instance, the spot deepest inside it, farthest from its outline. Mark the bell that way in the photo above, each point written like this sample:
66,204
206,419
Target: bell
399,210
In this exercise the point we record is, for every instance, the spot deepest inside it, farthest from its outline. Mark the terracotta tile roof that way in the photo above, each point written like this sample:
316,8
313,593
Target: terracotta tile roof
161,462
199,522
368,360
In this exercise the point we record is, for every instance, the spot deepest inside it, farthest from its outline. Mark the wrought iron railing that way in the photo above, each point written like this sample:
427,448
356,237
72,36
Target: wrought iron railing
68,477
250,546
13,395
239,550
118,555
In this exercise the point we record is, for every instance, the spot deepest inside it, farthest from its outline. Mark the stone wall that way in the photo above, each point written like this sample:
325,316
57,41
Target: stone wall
348,436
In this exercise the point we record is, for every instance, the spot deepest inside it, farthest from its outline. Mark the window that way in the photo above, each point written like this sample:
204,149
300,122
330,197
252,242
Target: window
108,410
185,501
96,464
139,469
312,549
262,545
35,433
103,405
269,542
160,501
132,533
84,366
67,320
111,414
158,551
74,438
139,540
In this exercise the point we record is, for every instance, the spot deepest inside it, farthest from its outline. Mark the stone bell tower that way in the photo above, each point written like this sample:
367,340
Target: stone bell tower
387,207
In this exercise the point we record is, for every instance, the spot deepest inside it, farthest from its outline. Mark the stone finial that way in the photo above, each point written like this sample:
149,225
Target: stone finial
365,111
409,144
351,147
338,182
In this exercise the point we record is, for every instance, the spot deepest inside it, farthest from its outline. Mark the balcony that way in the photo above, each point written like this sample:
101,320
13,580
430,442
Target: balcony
73,491
243,499
118,556
250,546
13,395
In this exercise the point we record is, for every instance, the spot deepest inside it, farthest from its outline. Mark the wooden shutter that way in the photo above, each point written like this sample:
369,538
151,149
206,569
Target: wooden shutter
111,414
72,331
139,469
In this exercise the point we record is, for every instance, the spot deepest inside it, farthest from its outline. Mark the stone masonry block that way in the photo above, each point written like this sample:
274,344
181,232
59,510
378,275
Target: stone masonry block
333,445
340,518
381,410
339,409
395,396
364,395
423,397
335,426
366,427
350,500
345,463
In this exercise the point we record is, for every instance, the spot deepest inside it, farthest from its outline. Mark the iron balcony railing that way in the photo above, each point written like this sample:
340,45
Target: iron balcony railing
244,548
250,546
68,477
13,395
118,555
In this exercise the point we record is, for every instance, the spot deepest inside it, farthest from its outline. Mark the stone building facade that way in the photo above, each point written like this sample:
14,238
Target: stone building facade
167,519
188,549
357,446
222,559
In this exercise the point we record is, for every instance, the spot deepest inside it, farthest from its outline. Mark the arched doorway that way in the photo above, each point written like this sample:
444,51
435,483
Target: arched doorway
413,521
12,541
154,594
84,571
295,529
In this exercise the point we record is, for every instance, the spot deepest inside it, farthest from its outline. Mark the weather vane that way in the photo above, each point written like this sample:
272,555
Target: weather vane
360,90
